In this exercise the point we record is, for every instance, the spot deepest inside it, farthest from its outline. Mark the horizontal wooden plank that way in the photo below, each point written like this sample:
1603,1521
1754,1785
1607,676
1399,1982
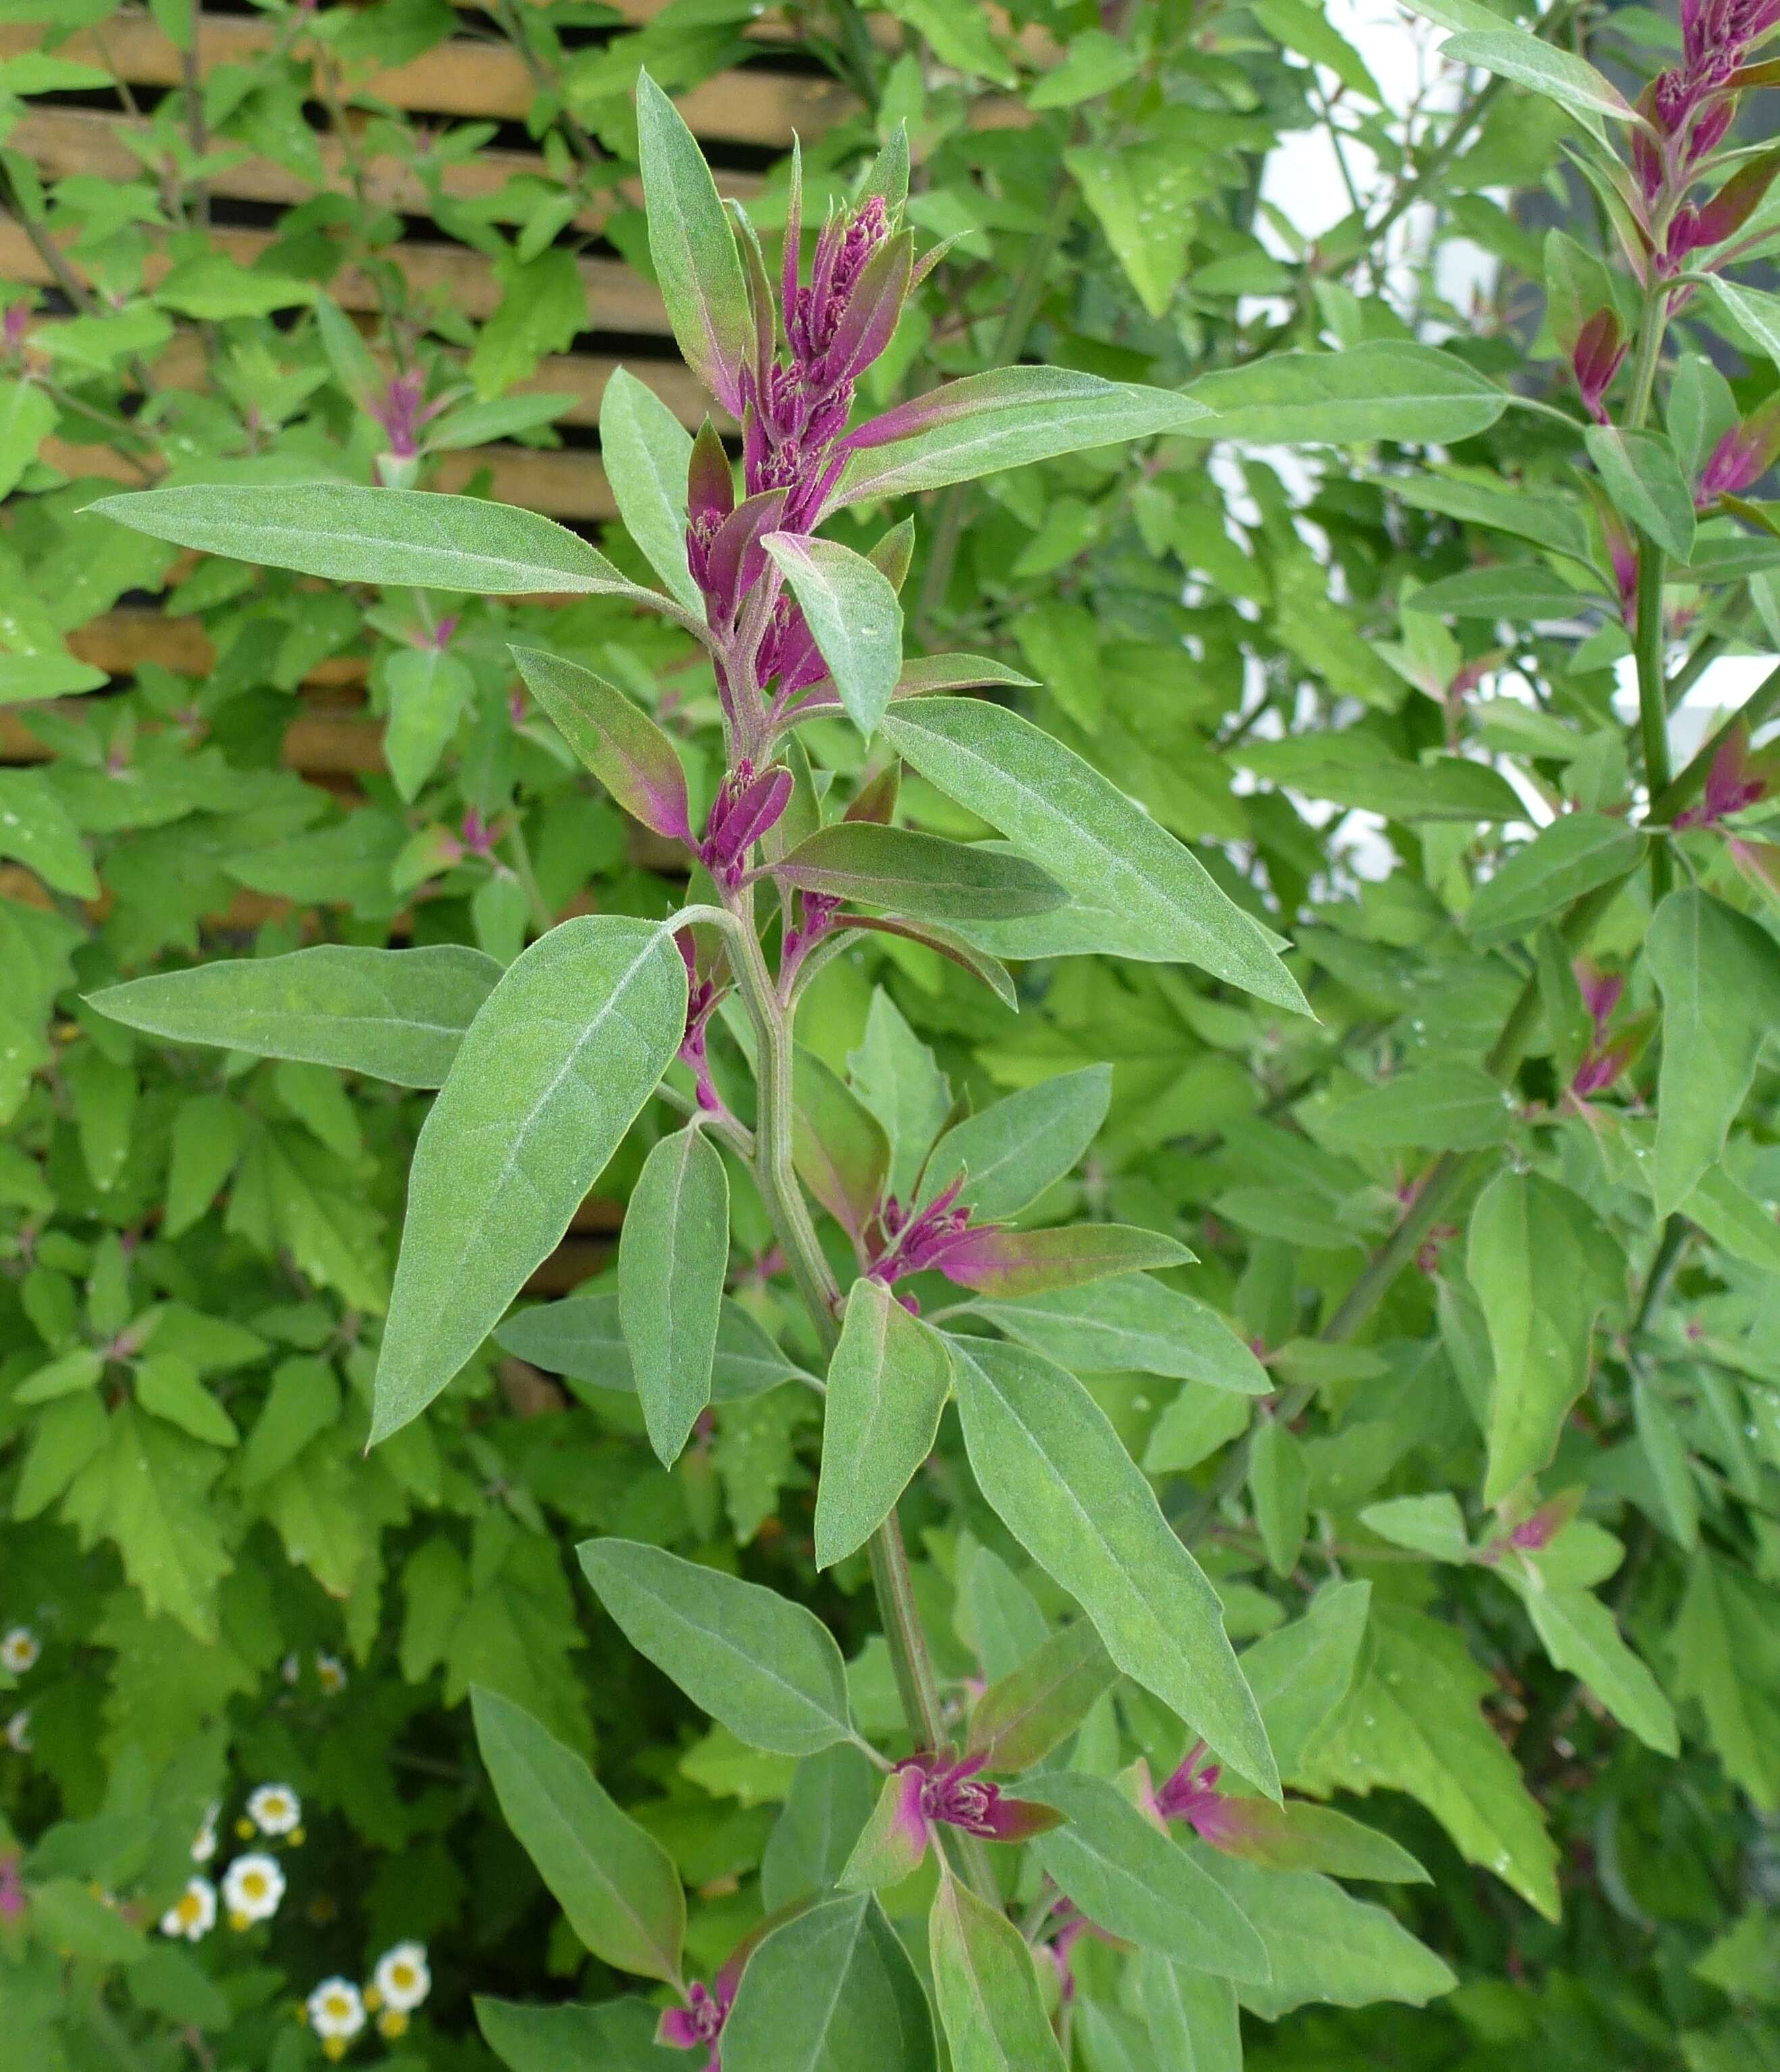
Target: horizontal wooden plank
567,484
466,76
63,141
580,377
450,275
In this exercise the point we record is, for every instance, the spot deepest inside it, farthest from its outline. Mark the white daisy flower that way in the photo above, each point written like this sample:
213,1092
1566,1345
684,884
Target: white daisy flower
335,2010
18,1733
252,1887
274,1809
193,1914
204,1846
20,1649
401,1977
330,1675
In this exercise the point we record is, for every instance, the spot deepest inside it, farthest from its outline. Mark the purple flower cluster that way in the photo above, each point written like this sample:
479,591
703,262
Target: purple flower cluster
746,807
1690,107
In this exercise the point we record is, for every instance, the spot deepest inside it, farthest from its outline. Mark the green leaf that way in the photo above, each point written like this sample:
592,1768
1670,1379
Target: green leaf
1388,389
553,1071
1443,1107
767,1668
1133,1880
1005,418
887,1383
1719,974
841,1152
393,536
1298,1836
429,693
1023,1716
1577,854
924,876
1542,1266
1143,197
1307,31
1354,769
1725,1656
212,287
1411,1723
613,1880
1752,311
616,740
1670,1463
1323,1944
67,1375
1524,592
829,1802
1194,2018
853,616
1559,75
1431,1525
831,1990
1048,1460
28,416
37,829
1279,1489
168,1387
673,1259
1015,1148
1579,1635
644,450
1644,479
1132,1325
392,1014
583,1339
1089,834
987,1988
616,2036
692,246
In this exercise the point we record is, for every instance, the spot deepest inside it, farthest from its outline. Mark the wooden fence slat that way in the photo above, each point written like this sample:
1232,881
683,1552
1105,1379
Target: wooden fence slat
466,77
617,298
63,141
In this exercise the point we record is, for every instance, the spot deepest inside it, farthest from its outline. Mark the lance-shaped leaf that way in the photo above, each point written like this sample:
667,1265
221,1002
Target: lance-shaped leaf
1387,389
38,831
1048,1460
853,616
1133,1880
673,1255
1299,1673
644,450
839,1146
1542,1266
1753,311
1645,481
1004,418
1087,832
1023,1716
692,248
1015,1148
1194,2018
887,1383
618,2036
986,1987
1323,1944
1575,854
1132,1325
413,537
766,1667
924,876
1015,1263
616,740
831,1990
1581,1634
1446,1106
831,1798
945,942
552,1072
1297,1836
613,1880
582,1339
1719,974
392,1014
1559,75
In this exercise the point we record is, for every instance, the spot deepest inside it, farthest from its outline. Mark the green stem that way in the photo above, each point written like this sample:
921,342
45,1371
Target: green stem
1652,700
776,1176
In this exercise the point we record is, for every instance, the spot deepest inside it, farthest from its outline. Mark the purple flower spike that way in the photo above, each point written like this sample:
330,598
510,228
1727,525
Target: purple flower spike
746,807
1733,784
1741,457
933,1240
931,1790
403,414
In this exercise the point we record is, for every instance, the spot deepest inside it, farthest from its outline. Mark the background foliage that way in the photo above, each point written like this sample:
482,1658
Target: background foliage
313,261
